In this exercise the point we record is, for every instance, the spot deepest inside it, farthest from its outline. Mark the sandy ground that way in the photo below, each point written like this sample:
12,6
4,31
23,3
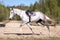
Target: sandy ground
12,29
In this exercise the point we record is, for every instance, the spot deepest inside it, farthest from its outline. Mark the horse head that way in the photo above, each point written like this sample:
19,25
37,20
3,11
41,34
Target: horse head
12,13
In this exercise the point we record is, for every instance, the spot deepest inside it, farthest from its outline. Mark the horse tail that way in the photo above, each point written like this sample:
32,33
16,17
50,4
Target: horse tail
53,22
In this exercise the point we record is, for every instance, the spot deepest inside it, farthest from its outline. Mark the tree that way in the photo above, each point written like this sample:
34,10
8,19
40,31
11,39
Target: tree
42,5
31,7
36,6
2,16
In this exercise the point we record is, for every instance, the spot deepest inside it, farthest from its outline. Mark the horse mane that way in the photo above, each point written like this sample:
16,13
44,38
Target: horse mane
18,9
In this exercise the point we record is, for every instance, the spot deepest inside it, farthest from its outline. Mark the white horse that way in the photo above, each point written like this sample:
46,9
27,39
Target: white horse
37,18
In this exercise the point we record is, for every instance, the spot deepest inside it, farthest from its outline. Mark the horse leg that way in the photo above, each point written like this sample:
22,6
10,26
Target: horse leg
39,22
30,27
46,24
53,23
23,24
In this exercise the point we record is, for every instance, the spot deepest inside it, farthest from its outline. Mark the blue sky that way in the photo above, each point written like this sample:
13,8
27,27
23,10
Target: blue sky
18,2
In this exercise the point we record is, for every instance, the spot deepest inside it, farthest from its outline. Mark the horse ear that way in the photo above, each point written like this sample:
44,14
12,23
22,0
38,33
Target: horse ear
11,8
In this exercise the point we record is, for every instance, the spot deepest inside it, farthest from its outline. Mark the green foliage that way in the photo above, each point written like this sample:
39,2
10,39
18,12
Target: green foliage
36,6
49,7
31,7
1,12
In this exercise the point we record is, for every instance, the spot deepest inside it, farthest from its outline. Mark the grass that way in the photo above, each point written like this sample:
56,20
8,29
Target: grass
31,38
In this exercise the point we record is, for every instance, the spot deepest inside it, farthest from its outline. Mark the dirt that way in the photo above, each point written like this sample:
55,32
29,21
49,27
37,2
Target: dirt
13,29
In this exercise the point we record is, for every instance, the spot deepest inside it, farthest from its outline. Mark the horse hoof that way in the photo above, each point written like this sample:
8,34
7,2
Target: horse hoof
2,25
20,25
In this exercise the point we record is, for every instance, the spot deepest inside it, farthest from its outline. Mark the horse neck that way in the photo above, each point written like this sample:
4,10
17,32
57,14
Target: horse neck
18,12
